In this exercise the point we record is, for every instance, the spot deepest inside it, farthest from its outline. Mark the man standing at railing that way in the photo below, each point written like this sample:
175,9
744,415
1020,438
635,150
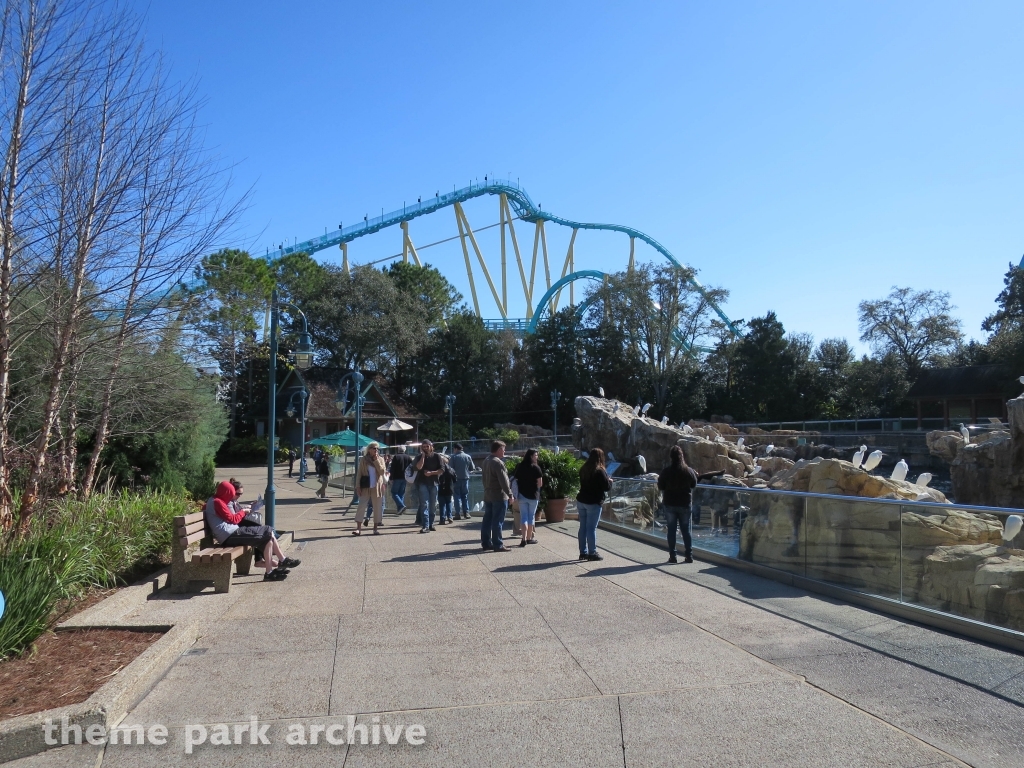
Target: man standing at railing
677,482
463,465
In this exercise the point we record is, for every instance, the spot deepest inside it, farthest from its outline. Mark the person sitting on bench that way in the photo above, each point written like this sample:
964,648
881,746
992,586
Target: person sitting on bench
229,529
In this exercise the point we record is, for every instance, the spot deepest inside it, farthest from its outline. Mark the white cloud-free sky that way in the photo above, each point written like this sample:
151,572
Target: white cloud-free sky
805,156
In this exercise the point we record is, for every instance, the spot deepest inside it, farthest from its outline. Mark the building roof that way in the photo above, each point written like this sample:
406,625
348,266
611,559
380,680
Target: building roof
963,382
322,384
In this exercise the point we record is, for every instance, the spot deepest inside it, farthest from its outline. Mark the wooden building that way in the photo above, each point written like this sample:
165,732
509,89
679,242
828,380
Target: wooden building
968,394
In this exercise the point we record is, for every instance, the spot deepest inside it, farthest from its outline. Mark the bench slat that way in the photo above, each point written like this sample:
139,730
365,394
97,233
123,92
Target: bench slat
188,519
188,530
191,539
219,554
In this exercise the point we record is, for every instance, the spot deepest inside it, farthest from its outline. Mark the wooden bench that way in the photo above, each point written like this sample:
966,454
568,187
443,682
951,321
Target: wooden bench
195,556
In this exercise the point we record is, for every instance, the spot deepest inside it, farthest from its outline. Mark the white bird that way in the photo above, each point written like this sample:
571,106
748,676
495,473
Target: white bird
611,456
1012,527
966,433
642,462
600,391
769,449
647,407
739,443
923,479
899,472
636,410
664,419
719,439
1021,379
873,460
444,451
687,429
858,457
478,506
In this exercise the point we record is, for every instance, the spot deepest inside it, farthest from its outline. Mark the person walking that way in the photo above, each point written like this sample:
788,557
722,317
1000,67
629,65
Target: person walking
428,469
594,484
372,482
323,474
291,461
400,462
463,465
497,492
445,486
529,480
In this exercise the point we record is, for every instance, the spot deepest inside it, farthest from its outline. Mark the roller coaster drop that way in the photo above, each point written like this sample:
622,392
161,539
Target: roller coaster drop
511,199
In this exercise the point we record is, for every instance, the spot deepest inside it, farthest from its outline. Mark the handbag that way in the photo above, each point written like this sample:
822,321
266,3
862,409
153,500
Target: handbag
410,474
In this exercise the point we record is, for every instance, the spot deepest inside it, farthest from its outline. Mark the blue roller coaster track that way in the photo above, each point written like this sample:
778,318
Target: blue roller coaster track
524,208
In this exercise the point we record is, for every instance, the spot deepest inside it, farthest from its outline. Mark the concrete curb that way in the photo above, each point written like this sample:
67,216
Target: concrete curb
23,736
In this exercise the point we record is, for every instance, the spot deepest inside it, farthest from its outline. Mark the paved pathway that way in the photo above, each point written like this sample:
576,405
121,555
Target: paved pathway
530,658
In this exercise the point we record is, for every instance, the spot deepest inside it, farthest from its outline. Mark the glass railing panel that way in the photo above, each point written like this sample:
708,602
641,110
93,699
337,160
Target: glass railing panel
771,528
956,561
854,543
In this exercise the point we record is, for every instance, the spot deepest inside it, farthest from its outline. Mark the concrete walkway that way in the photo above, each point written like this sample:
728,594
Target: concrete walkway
530,658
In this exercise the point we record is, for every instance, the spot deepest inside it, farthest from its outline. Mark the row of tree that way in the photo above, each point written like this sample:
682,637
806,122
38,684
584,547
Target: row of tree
107,198
648,334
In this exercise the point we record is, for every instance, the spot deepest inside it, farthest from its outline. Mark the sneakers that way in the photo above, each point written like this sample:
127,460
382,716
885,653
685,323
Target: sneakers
522,543
672,558
532,541
424,530
594,556
687,559
433,528
291,562
275,575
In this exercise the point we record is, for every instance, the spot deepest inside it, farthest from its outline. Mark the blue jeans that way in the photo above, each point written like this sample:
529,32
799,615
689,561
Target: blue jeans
462,497
398,493
589,514
490,528
678,516
445,505
428,504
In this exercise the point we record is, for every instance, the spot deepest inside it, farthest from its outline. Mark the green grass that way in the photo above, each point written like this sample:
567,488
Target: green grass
74,545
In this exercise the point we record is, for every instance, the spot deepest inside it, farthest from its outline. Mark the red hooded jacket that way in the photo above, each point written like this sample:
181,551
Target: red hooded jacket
224,495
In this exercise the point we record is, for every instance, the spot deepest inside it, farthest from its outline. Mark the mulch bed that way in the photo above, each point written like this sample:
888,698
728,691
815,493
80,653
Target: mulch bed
67,668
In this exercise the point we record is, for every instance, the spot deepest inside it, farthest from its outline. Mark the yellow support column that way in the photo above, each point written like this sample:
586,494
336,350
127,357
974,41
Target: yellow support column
480,257
565,271
469,264
527,287
408,247
504,273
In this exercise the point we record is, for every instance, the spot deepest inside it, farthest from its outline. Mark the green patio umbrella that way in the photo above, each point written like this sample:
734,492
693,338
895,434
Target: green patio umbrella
346,439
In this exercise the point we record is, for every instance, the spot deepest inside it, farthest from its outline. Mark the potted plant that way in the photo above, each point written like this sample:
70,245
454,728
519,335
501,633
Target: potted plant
561,482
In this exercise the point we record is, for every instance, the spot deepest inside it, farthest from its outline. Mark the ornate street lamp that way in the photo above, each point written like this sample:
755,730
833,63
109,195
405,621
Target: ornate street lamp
449,408
302,395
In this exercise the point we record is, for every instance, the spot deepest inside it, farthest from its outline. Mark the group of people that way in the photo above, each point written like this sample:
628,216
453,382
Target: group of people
442,489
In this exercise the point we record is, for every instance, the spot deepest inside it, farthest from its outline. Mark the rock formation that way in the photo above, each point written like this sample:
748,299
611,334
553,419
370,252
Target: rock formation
989,471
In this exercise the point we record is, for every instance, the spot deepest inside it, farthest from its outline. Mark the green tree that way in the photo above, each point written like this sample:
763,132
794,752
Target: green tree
227,306
917,327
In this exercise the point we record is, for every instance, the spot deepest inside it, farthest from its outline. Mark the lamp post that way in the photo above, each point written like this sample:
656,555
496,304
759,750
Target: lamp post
449,408
303,359
341,403
555,394
302,394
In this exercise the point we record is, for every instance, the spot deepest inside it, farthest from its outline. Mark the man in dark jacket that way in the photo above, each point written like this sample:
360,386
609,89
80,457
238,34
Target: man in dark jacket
399,463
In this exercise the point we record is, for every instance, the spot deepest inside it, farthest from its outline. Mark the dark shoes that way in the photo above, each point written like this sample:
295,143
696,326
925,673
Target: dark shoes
522,543
433,528
275,575
423,530
687,559
594,556
532,541
583,555
291,562
502,548
672,558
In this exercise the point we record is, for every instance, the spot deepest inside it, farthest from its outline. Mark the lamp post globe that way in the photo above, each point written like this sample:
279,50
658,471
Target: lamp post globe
304,353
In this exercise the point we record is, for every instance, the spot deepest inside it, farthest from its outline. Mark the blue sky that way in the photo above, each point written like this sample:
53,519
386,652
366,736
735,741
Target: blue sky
804,156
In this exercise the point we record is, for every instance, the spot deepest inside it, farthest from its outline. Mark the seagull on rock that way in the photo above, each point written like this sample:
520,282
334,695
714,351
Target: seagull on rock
769,449
636,410
858,457
966,433
687,428
664,419
600,391
899,472
923,479
647,407
642,462
873,460
739,443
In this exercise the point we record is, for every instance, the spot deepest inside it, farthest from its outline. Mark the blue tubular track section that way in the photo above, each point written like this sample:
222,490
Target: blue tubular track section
521,203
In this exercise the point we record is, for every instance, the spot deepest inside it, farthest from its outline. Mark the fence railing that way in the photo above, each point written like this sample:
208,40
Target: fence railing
946,558
903,424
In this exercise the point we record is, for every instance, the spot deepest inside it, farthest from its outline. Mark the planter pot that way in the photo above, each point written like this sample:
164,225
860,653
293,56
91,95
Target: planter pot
554,510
